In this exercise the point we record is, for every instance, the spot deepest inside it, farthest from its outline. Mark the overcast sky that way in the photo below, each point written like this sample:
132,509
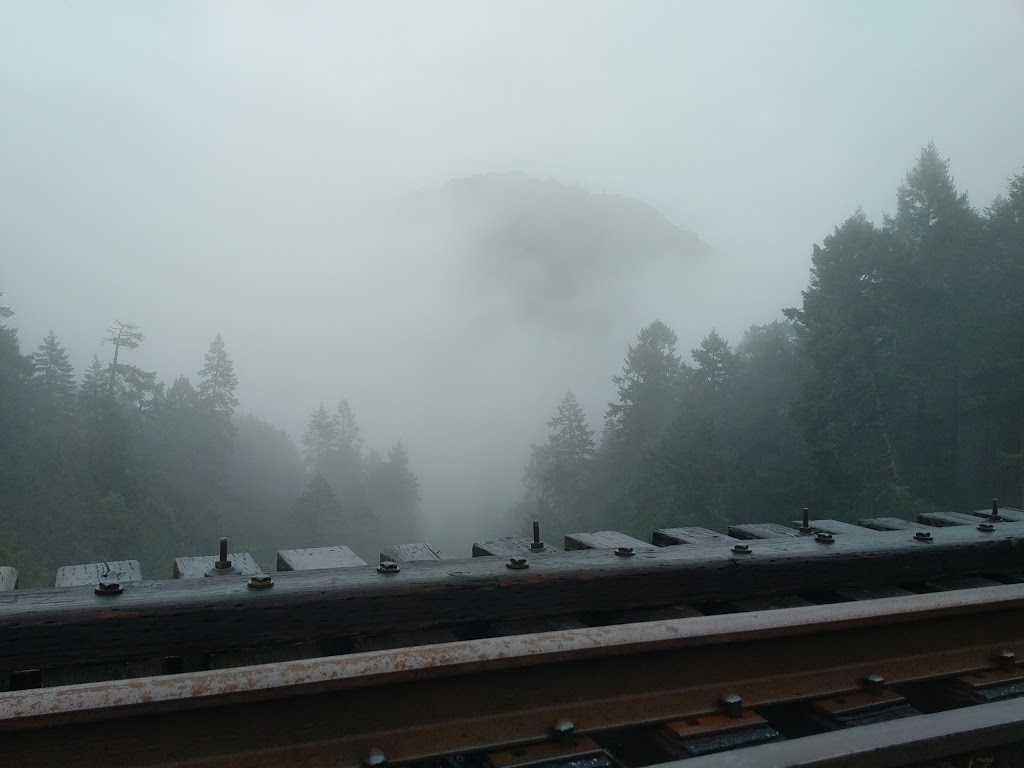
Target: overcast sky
202,167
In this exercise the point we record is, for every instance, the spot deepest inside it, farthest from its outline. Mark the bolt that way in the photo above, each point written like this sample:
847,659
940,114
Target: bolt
260,582
824,538
388,567
1006,660
731,704
564,730
874,683
923,536
994,517
624,551
741,549
986,527
375,758
806,526
517,563
536,545
109,588
222,566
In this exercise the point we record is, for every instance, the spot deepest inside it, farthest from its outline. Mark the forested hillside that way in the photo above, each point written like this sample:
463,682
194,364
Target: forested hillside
897,387
115,464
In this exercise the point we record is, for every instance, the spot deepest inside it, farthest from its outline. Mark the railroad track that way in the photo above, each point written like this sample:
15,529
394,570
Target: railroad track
888,643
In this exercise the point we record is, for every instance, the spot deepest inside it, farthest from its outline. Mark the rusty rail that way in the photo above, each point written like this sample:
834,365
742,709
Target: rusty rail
415,703
59,626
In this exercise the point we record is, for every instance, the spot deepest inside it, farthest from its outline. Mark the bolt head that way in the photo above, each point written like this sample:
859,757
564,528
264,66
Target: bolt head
824,538
1006,660
109,588
388,567
375,758
741,549
563,730
874,683
624,551
517,563
260,582
923,536
986,527
731,704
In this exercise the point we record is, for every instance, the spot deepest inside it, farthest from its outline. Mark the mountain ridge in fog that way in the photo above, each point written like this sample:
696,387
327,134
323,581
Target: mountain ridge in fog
539,252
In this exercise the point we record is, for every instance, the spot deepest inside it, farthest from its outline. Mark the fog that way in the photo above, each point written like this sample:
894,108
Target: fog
282,173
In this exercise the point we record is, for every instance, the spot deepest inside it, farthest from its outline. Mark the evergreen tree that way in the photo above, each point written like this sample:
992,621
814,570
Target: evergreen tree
556,475
320,439
217,381
53,373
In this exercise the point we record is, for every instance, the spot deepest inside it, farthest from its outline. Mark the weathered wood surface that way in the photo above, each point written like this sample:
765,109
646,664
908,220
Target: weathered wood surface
8,577
93,573
1011,514
602,540
320,557
944,519
47,627
411,553
892,524
664,537
196,567
835,527
762,531
511,546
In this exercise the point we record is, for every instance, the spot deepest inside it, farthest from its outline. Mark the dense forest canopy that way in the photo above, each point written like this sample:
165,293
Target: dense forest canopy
896,387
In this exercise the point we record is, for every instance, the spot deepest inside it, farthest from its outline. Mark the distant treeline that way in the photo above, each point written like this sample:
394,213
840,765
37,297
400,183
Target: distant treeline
897,387
120,466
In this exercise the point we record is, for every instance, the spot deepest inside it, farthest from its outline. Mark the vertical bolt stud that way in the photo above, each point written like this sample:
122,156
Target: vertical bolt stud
536,545
222,566
805,526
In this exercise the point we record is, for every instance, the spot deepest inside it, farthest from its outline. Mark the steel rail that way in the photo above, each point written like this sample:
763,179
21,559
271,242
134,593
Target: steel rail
60,626
416,703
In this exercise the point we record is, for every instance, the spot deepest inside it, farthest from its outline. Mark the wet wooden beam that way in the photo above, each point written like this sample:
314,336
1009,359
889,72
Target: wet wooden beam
8,577
94,573
664,537
892,524
946,519
319,557
835,527
410,553
510,546
48,627
196,567
603,540
762,531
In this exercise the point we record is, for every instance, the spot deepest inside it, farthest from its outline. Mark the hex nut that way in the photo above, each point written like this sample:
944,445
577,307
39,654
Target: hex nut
109,588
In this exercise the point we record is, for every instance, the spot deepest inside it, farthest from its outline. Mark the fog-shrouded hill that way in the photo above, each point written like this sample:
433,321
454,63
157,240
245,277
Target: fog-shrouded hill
551,254
521,288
